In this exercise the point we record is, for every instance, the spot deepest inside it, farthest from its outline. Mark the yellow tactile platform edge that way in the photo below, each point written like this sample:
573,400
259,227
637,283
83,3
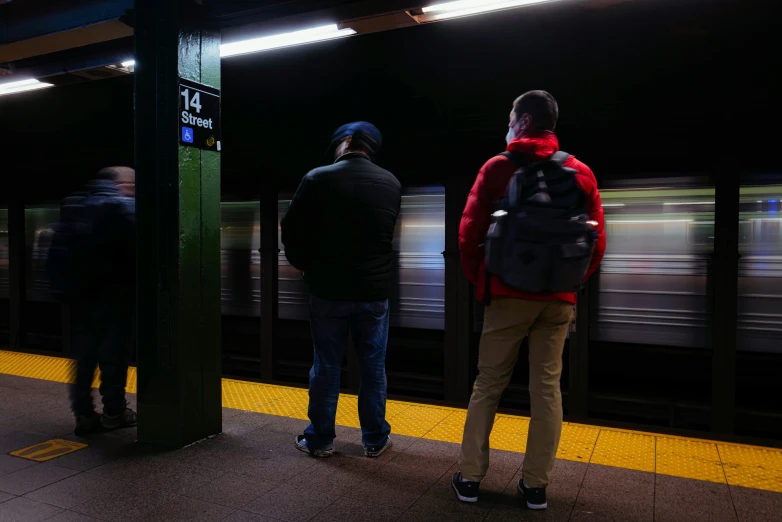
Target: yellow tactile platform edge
734,464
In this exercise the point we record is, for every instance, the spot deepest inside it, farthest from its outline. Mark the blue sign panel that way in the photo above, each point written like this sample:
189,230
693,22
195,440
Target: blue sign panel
187,134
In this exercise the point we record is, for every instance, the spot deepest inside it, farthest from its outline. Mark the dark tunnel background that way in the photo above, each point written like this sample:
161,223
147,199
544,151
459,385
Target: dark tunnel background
645,89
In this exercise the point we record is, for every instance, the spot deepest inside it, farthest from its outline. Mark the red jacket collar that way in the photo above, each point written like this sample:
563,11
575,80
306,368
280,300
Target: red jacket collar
539,144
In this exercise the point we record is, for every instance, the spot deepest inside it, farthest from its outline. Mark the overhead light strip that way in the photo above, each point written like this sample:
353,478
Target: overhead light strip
460,8
22,86
277,41
267,43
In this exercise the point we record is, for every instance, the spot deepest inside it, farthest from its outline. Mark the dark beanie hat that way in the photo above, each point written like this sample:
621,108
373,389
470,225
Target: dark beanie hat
366,134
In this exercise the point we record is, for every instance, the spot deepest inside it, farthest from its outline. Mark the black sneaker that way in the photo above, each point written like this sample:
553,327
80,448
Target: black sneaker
535,497
322,453
376,451
466,491
126,419
86,423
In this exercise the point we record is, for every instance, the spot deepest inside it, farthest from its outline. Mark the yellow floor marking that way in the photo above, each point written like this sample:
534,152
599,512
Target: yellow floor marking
509,433
577,442
738,464
689,459
51,449
752,467
624,450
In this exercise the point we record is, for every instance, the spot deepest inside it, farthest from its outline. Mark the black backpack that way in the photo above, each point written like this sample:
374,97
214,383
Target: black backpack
540,240
71,261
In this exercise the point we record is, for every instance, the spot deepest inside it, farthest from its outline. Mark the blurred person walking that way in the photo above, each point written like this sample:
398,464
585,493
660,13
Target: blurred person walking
92,268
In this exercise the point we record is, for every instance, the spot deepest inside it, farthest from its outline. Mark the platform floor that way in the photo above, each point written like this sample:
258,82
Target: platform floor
252,472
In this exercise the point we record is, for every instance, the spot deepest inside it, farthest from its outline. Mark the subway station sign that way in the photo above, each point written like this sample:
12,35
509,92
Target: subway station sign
199,115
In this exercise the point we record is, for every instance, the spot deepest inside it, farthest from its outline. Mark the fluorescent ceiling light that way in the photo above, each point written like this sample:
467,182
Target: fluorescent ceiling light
21,86
266,43
129,63
460,8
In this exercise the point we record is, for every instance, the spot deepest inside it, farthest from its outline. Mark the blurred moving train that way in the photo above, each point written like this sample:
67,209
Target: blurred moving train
653,284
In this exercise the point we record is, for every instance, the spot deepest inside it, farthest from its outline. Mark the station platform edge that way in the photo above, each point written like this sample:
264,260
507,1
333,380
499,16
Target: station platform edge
742,465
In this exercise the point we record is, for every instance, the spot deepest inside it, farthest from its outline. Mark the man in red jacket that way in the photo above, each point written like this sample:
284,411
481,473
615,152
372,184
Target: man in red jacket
512,315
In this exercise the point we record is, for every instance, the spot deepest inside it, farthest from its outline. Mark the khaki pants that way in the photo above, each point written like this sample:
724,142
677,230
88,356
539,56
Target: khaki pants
505,324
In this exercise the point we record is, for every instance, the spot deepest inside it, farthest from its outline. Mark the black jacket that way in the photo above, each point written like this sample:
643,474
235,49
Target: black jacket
340,227
111,245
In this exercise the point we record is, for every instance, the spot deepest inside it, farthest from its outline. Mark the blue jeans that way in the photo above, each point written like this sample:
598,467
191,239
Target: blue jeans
330,322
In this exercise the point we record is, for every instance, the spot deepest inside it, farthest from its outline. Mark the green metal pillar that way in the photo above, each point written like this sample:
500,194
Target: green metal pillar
178,213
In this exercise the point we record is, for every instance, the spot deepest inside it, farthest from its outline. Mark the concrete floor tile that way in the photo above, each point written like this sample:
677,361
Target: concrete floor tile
390,491
231,412
329,479
76,490
244,423
520,513
231,490
134,468
71,516
32,478
26,510
23,384
9,464
290,504
88,458
427,509
184,509
5,497
693,500
245,516
278,468
131,502
286,425
24,402
352,510
615,494
429,470
181,478
755,505
433,449
50,423
13,440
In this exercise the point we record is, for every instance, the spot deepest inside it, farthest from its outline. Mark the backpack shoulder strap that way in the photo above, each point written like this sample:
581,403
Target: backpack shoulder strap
559,157
521,161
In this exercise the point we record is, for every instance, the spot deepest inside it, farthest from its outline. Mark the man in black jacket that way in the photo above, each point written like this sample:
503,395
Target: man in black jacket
339,231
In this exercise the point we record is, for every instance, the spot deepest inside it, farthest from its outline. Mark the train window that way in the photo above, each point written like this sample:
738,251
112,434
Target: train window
418,298
760,269
240,240
38,221
653,279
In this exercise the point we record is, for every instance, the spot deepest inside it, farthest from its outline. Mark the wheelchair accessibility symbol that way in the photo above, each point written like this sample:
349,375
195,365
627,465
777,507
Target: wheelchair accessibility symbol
187,134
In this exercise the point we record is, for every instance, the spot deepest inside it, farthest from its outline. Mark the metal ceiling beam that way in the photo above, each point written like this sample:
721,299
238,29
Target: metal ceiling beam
29,29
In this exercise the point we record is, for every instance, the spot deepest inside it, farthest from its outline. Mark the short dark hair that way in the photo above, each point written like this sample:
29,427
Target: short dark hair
542,108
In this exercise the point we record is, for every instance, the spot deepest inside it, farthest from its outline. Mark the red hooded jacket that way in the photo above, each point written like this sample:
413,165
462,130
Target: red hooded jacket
491,185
